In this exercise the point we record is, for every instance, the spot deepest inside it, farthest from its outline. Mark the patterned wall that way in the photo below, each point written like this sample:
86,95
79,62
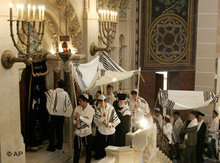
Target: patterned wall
169,33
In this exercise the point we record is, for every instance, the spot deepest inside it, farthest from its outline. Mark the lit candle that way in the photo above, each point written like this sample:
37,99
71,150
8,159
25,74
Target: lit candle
104,15
10,6
116,16
107,15
29,12
34,9
99,12
43,9
40,9
111,16
22,12
18,11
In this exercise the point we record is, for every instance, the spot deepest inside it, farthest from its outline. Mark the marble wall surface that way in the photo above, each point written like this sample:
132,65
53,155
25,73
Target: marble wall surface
11,141
206,45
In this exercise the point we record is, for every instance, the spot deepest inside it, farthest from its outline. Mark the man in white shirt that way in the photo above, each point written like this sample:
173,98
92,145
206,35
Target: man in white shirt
106,119
177,126
82,120
167,131
213,130
139,109
110,96
58,106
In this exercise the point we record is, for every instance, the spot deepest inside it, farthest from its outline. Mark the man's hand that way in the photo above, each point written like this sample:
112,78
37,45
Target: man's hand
78,122
104,114
107,124
77,115
136,106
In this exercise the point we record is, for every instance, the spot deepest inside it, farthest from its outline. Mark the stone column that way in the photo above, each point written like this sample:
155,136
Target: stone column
206,78
69,89
12,148
90,26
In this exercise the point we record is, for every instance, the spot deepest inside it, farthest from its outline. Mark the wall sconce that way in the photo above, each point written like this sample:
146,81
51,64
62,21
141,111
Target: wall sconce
107,30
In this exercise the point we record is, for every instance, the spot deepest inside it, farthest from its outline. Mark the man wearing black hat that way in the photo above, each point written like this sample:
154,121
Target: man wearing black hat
191,138
200,137
82,119
124,115
213,130
106,119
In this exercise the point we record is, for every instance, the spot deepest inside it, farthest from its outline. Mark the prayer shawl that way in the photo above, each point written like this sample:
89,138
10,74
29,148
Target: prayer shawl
192,124
200,124
177,126
100,71
159,120
142,110
185,100
110,98
123,128
167,130
59,103
111,118
125,111
86,116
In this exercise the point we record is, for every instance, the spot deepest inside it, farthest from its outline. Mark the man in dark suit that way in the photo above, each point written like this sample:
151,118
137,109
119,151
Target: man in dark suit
200,137
124,114
191,138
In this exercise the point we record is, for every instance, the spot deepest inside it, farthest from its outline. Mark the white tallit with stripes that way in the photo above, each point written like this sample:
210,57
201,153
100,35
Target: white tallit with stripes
59,103
111,118
185,100
86,116
100,71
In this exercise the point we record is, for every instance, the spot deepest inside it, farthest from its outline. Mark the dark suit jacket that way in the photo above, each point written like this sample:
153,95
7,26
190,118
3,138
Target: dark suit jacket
201,134
192,135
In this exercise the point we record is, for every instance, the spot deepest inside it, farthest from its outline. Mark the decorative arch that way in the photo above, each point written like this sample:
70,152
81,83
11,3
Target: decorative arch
53,27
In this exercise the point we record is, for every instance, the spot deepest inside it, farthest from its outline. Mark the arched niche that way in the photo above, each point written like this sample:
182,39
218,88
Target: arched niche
55,24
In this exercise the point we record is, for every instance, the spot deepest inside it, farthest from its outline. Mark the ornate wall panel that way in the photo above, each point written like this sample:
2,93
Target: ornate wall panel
169,33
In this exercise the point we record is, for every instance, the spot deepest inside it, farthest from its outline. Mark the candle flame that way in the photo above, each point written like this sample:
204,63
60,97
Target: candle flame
22,6
18,6
10,5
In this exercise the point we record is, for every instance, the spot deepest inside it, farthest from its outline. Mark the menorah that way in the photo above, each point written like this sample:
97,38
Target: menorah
107,30
30,32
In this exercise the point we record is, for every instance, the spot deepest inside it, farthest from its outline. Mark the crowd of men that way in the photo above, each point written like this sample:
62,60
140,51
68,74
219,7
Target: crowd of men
107,119
187,141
